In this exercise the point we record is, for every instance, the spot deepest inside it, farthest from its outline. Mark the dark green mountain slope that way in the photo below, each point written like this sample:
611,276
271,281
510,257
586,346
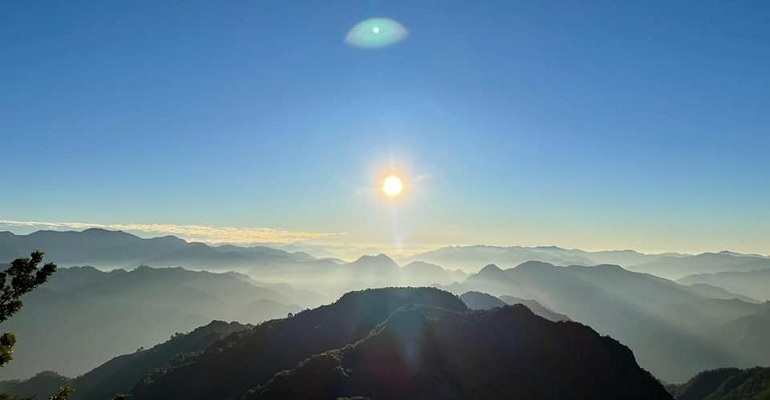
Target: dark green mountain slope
726,384
230,367
503,353
39,386
120,374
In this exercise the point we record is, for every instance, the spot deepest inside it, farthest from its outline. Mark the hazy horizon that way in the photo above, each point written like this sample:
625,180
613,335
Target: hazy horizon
508,123
334,249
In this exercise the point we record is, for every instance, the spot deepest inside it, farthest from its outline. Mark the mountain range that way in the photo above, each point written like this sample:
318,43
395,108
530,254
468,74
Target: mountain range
754,284
84,316
668,265
111,249
674,330
115,249
381,344
484,301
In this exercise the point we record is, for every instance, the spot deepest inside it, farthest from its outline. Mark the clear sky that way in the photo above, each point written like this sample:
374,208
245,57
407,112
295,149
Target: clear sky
597,125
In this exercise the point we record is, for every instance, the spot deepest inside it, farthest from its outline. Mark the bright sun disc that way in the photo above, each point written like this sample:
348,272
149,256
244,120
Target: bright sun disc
392,186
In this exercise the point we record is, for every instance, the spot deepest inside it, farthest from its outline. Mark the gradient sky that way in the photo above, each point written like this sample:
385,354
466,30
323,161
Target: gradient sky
612,124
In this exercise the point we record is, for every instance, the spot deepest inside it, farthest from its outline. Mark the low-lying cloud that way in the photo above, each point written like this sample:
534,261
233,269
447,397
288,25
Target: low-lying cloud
200,233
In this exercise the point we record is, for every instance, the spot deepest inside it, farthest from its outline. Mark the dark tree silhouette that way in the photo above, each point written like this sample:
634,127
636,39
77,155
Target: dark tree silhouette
19,279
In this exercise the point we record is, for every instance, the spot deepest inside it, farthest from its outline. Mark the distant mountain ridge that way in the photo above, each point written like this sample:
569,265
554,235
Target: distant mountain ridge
105,248
638,309
83,316
755,284
115,249
484,301
667,265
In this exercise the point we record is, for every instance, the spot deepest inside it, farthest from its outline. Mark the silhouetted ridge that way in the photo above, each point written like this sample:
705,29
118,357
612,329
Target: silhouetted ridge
536,308
39,386
101,247
726,384
533,266
423,352
480,301
490,269
120,374
243,360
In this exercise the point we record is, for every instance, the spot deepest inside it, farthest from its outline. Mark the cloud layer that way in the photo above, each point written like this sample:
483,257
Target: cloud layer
202,233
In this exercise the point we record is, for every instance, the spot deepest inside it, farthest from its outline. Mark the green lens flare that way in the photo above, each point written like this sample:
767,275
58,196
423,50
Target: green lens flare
374,33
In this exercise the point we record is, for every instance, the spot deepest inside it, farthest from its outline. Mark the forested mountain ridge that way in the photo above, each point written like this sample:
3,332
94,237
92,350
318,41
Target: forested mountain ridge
423,352
725,384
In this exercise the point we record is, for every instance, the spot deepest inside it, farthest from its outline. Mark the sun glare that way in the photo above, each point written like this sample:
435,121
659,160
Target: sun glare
392,186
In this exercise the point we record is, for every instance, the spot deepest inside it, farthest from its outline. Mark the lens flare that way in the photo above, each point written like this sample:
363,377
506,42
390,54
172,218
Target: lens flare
375,33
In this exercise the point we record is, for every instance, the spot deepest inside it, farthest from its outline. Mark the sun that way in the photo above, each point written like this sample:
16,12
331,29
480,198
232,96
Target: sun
392,186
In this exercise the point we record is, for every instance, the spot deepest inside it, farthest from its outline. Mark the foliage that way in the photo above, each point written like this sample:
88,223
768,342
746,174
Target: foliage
726,384
19,279
62,394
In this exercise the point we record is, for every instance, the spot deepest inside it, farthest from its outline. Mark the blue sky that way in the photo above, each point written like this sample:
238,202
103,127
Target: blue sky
601,125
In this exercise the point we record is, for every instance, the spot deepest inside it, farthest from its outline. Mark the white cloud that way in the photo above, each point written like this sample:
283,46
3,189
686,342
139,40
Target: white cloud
202,233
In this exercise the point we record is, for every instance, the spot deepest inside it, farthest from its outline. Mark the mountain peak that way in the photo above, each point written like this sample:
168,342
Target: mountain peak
490,269
533,265
407,296
106,232
380,256
378,261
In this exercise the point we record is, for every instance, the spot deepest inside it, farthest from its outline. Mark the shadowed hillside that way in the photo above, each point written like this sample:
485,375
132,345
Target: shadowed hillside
675,331
230,367
39,386
483,301
508,352
120,374
726,384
